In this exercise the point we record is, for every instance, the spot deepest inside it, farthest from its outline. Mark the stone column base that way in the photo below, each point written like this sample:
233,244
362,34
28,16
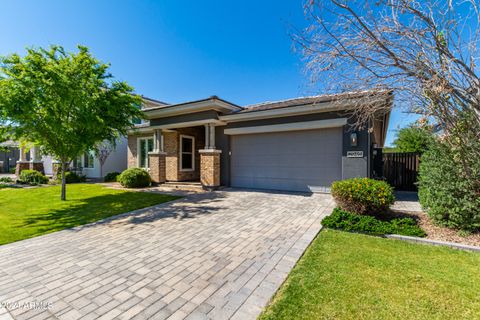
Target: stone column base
21,165
56,169
157,166
37,165
210,168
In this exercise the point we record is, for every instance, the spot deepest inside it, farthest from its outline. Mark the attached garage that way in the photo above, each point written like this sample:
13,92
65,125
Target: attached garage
304,160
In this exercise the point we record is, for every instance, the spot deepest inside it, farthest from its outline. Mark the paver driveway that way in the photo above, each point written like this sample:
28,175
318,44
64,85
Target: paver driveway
216,255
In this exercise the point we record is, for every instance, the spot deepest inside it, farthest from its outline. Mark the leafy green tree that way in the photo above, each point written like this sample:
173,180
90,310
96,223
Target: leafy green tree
65,102
413,139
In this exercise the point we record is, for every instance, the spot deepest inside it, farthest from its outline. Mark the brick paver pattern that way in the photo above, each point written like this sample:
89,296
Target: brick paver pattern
219,255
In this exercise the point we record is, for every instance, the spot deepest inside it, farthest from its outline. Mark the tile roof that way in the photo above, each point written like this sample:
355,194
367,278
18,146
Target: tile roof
308,100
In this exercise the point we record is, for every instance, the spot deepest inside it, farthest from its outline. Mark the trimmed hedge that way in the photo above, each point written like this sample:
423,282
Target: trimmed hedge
32,177
450,197
134,178
343,220
111,176
6,180
363,195
71,177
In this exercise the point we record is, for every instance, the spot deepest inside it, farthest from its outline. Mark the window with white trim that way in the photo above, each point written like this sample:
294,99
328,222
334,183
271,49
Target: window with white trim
187,153
145,145
88,160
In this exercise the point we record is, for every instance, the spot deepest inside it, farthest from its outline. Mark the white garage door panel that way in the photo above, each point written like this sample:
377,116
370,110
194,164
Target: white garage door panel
296,161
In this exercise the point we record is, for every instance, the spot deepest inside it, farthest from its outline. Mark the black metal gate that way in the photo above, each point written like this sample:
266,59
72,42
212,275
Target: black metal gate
400,169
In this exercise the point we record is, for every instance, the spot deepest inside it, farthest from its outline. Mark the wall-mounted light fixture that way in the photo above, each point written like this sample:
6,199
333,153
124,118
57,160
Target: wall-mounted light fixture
353,139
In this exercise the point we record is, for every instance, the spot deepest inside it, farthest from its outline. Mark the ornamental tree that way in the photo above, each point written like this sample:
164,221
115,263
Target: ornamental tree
65,102
413,139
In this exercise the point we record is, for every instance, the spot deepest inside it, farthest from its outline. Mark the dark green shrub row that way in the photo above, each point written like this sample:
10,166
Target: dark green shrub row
450,196
111,176
71,177
347,221
32,177
6,179
134,178
363,195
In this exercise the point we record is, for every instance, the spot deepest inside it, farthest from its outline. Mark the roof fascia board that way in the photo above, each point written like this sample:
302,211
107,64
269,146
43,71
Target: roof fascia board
294,126
173,110
178,125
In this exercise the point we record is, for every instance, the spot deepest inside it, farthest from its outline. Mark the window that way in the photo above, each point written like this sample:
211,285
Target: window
145,145
187,156
88,160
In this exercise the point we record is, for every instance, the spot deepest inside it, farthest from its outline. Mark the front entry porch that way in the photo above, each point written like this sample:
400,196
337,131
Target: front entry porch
185,154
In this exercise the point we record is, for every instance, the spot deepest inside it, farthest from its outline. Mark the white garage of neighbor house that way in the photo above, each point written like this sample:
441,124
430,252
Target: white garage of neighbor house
301,144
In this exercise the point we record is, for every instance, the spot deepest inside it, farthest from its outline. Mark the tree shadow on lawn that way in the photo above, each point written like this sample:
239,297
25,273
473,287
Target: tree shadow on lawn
114,208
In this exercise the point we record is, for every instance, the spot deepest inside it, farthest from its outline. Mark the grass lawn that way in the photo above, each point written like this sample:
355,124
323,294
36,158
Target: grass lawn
353,276
26,213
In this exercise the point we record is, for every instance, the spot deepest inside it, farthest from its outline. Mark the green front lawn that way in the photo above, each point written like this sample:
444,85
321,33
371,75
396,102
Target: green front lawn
26,213
353,276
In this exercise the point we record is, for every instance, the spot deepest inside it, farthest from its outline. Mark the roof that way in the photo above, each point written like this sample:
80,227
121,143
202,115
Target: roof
189,102
301,101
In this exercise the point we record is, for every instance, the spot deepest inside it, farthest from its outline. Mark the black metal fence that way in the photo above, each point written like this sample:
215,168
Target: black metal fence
401,169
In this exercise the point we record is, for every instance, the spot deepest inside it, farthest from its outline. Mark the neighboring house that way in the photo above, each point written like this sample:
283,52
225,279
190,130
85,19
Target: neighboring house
301,144
88,164
9,155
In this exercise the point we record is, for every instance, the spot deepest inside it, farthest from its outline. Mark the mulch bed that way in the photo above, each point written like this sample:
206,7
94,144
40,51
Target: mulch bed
435,232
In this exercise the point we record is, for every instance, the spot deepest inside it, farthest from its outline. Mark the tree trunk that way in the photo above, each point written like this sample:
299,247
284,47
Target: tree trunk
64,189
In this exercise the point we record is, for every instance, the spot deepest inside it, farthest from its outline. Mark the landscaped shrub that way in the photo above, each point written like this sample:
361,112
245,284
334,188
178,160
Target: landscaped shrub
111,176
134,178
363,195
32,177
347,221
6,179
450,196
12,170
71,177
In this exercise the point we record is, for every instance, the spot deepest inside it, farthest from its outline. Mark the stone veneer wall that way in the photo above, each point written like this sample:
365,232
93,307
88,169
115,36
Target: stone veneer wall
171,144
132,149
210,169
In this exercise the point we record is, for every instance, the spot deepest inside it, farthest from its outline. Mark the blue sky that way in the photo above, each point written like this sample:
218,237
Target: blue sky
176,50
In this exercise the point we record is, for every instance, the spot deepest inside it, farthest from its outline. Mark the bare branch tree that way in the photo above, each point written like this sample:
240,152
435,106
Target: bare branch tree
103,151
426,51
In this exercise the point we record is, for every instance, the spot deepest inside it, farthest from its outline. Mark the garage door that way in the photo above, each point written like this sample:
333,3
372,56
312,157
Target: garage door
307,161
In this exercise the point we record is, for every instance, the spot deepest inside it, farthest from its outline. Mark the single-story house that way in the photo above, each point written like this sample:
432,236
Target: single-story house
301,144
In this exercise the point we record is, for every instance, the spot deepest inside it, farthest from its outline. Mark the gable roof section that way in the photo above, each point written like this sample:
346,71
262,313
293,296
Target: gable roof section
211,103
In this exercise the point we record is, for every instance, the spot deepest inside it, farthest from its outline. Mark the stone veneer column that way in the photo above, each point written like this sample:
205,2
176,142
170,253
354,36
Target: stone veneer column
156,161
22,163
36,162
210,168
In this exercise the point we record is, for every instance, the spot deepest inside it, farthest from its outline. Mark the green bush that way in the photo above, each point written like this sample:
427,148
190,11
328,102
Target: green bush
134,178
347,221
450,197
111,176
12,170
32,177
363,195
71,177
6,179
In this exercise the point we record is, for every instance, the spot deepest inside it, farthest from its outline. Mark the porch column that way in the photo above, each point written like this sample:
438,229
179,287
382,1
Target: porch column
156,159
210,168
210,136
22,163
158,140
36,162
